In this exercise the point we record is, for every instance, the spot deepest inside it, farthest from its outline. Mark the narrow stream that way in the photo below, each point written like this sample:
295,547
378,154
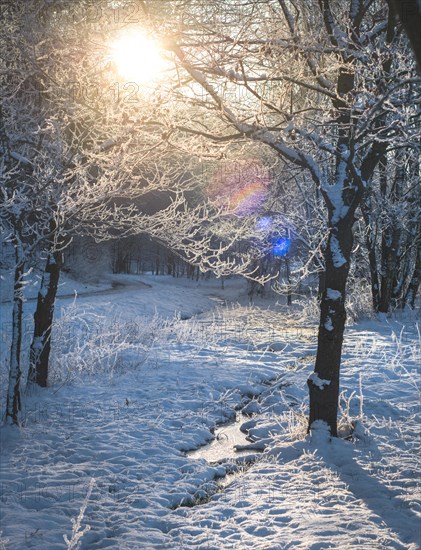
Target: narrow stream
223,450
227,437
231,447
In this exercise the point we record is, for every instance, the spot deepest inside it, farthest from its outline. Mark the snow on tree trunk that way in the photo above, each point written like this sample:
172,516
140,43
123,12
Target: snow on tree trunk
43,319
324,382
13,405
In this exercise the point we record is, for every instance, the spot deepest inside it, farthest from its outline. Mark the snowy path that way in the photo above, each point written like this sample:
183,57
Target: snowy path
116,285
128,429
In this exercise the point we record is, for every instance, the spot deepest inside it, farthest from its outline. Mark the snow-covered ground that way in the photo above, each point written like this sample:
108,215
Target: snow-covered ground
136,385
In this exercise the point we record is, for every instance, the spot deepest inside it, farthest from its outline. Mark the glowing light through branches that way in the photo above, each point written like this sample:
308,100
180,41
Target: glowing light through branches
136,57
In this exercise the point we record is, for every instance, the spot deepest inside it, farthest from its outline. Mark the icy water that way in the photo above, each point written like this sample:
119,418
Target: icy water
227,437
224,448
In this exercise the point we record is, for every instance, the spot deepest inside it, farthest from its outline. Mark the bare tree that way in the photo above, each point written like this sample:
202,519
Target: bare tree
78,163
328,86
390,210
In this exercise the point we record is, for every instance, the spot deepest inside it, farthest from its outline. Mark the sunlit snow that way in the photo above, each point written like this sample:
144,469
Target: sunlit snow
134,388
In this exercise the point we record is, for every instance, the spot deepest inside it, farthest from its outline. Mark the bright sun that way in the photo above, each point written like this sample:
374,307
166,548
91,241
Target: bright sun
137,57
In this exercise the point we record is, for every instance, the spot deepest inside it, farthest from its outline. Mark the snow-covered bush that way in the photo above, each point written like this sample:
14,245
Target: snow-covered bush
85,342
310,309
359,303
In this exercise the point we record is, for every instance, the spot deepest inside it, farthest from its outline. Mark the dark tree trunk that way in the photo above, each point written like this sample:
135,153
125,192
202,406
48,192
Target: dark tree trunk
157,263
324,382
390,264
414,285
391,239
375,285
366,209
13,405
120,263
409,12
190,271
39,354
322,284
171,265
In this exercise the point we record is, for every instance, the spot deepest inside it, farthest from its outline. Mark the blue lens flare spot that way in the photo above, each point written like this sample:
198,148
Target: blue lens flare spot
281,247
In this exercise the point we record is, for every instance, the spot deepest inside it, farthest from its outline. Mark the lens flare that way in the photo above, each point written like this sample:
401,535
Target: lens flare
240,186
248,199
281,247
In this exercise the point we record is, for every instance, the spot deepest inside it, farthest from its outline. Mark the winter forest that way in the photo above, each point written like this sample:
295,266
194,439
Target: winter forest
210,268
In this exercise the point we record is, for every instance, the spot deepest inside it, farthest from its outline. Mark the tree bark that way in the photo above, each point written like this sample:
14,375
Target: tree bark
322,284
366,209
324,382
409,12
415,283
389,268
13,405
39,354
391,238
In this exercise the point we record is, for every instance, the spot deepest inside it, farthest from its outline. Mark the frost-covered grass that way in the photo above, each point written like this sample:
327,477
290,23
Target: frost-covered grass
134,386
358,304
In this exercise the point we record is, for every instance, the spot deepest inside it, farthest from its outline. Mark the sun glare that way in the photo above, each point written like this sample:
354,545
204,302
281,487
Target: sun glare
137,57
